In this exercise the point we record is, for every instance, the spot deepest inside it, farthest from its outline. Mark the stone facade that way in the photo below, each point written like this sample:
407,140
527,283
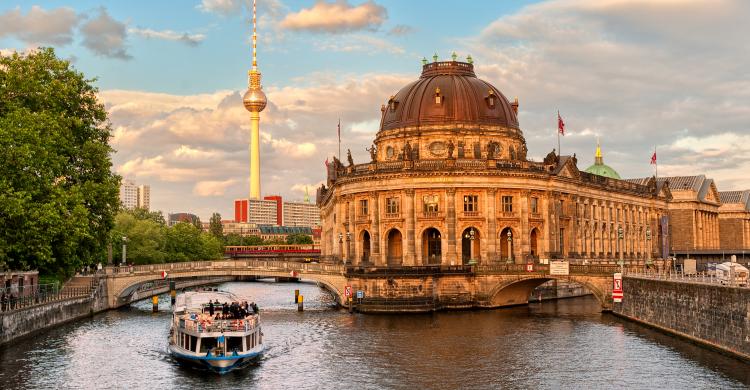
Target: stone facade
449,183
734,220
713,315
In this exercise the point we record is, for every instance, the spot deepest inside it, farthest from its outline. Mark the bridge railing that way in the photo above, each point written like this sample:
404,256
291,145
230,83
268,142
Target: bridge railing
229,265
38,294
408,270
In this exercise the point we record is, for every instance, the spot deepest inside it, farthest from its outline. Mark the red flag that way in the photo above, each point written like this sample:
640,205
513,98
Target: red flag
653,159
560,124
326,162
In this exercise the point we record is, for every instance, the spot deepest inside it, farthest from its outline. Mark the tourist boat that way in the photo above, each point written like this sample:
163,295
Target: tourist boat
222,342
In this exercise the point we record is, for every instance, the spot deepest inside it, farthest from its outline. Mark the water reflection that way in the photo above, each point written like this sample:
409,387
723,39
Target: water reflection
565,344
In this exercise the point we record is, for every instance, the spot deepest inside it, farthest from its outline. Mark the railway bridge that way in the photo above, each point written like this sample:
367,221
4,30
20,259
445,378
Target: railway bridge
385,289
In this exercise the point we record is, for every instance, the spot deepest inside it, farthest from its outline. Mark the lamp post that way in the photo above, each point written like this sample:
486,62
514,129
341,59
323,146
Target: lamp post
620,241
471,235
124,250
648,245
341,246
510,247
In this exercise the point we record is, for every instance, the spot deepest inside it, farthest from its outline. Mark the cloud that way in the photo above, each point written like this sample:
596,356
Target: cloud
400,30
105,36
169,35
212,188
615,68
222,7
336,17
39,26
358,43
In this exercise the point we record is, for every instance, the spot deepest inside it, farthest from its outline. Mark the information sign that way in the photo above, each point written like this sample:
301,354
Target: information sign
529,267
360,294
559,267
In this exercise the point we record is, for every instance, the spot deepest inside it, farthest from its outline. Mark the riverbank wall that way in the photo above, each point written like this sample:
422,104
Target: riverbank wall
712,315
22,322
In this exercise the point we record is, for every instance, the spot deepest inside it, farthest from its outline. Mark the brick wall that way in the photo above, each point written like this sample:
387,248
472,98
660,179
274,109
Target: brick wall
713,315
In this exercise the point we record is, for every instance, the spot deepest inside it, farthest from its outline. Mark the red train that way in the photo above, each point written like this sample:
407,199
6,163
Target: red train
310,250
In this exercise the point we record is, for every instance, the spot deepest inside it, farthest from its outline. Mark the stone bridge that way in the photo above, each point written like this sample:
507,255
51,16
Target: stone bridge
386,289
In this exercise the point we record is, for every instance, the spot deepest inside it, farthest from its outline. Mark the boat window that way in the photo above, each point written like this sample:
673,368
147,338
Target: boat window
207,343
234,344
248,343
193,342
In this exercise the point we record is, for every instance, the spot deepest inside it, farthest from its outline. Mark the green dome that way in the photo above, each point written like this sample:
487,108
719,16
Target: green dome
599,168
603,170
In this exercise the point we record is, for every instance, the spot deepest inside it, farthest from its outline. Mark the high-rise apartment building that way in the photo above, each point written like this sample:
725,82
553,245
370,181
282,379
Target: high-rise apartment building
132,195
144,196
128,194
301,214
272,210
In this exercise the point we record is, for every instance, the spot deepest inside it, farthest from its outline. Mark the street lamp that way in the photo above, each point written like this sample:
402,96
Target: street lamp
620,240
471,235
124,250
510,247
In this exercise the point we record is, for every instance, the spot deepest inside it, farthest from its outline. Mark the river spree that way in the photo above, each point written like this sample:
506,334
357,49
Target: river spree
564,344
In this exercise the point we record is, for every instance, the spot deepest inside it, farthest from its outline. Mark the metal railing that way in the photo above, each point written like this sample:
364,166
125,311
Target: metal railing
206,325
16,298
228,265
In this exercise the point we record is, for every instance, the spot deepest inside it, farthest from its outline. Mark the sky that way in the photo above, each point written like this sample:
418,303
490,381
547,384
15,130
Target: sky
670,75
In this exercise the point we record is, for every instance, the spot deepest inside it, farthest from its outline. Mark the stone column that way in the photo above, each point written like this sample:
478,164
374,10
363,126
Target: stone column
521,242
490,252
351,243
450,219
410,220
375,256
699,230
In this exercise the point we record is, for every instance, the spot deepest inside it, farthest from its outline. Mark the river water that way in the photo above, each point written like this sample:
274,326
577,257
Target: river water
563,344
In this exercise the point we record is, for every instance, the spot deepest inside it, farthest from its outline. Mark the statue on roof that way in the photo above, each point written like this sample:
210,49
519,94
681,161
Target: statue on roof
349,158
551,158
575,159
407,151
373,152
522,152
450,149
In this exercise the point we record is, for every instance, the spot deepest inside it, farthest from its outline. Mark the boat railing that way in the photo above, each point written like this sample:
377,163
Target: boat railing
210,326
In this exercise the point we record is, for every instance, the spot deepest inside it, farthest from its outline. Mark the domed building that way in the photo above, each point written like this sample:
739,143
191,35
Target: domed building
449,183
599,167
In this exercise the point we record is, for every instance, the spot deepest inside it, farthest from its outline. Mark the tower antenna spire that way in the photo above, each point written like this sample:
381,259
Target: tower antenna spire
255,38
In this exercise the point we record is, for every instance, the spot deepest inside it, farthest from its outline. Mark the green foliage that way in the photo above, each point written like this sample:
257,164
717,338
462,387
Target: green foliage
299,238
215,227
58,195
143,214
149,241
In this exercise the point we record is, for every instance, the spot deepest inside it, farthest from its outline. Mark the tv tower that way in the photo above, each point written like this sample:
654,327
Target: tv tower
254,101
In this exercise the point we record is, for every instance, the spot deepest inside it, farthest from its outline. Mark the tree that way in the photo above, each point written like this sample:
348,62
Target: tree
215,227
141,213
58,195
197,223
146,239
298,239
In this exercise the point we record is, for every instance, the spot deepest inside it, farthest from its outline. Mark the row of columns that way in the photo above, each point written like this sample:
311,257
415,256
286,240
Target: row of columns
707,228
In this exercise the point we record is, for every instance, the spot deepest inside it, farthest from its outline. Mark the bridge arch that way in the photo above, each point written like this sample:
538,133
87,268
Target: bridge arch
516,291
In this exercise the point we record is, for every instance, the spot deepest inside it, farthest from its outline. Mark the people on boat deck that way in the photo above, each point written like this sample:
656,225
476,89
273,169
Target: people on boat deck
226,311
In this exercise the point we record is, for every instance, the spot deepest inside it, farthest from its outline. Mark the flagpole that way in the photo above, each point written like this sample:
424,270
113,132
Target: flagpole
339,135
559,149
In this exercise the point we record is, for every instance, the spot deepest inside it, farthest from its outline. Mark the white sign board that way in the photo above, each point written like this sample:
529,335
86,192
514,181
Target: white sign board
559,267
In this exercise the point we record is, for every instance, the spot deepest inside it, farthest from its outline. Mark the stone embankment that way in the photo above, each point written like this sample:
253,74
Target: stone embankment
709,314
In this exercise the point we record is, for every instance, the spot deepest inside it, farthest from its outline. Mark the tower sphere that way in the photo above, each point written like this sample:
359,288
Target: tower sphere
254,100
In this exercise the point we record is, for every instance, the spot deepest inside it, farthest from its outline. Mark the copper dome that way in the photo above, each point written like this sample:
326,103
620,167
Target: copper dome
446,93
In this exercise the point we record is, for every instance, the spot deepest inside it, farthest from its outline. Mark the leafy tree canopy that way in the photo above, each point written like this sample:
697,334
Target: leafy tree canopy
58,195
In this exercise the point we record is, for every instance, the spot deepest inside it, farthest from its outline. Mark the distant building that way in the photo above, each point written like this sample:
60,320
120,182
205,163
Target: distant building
176,218
301,214
273,211
734,219
128,194
132,195
144,196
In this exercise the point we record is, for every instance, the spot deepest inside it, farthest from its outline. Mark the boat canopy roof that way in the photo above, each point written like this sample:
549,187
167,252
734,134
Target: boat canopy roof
194,300
737,266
